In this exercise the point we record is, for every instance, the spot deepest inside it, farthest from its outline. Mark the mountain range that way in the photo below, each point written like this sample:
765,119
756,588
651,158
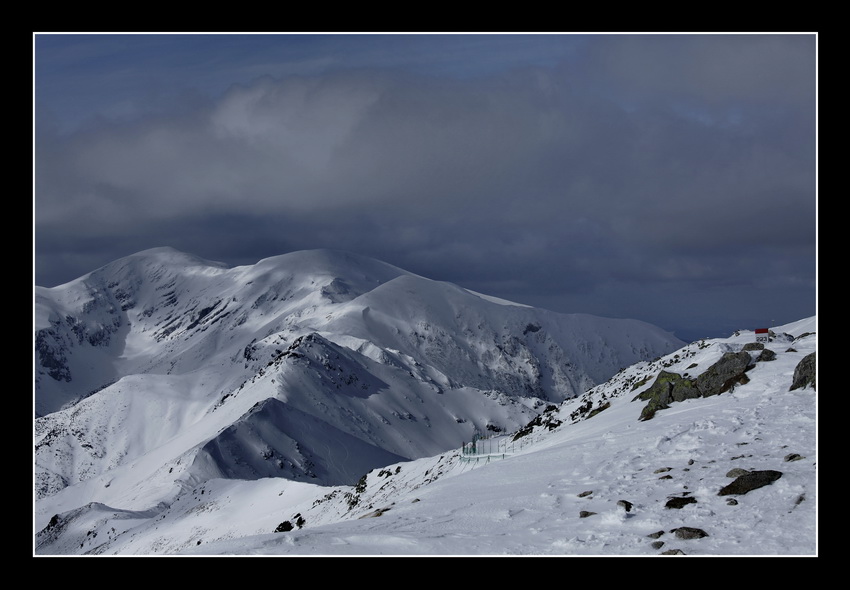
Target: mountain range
161,376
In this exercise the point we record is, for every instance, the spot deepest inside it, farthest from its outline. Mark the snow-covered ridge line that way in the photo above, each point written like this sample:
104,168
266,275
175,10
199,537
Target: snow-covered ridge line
161,376
602,485
406,365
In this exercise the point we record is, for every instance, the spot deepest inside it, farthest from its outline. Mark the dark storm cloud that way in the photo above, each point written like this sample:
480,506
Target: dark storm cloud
630,176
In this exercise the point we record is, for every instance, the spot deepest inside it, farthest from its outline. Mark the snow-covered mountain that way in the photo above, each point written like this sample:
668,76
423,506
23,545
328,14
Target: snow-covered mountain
729,469
160,372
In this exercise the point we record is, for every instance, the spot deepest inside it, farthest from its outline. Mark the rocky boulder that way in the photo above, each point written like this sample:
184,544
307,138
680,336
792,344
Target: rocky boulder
688,532
720,377
804,374
725,373
750,481
668,387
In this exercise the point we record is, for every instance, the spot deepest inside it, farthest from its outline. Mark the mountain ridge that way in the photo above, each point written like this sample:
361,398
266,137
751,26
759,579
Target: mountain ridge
586,477
153,373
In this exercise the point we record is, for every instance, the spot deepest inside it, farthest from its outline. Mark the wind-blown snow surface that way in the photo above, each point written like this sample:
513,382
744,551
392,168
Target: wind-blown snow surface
161,373
530,496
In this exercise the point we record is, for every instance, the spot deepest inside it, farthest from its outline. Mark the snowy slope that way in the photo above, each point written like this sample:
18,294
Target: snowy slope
161,371
165,312
578,482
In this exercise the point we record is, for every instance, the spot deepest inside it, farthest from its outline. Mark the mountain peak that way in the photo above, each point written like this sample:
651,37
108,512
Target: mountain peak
345,345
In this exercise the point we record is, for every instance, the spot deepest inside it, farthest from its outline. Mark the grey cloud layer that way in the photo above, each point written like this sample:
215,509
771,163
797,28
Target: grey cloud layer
637,162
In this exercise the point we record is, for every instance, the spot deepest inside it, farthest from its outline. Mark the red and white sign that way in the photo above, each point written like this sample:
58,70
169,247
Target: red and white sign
762,335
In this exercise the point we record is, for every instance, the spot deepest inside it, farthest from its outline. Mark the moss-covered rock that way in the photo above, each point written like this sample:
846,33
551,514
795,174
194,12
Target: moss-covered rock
604,406
668,387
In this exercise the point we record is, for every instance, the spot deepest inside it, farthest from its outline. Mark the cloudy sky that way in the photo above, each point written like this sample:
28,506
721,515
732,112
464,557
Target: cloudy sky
667,178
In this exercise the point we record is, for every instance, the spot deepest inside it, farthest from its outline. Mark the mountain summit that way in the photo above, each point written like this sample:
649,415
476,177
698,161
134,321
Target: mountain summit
161,370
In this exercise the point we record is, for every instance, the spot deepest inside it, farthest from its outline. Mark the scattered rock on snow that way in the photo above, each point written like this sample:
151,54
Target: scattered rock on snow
375,513
625,505
687,532
750,481
679,502
766,355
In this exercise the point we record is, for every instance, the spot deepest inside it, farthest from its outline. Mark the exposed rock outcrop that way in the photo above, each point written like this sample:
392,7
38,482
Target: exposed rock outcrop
804,374
669,387
725,373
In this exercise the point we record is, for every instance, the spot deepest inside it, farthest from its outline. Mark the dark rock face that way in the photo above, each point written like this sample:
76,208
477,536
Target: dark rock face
804,374
51,356
750,481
